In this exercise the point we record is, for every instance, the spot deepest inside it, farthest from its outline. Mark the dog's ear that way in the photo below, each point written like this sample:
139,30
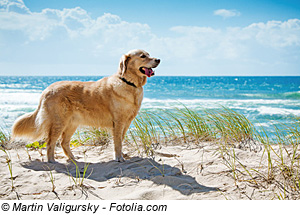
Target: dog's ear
123,64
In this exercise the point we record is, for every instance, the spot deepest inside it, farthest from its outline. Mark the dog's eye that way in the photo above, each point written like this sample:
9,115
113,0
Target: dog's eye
143,56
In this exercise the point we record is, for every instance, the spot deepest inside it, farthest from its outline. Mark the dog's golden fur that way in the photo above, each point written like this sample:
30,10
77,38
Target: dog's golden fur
112,102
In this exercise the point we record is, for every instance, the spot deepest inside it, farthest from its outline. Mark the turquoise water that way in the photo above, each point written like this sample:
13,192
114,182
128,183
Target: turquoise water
263,100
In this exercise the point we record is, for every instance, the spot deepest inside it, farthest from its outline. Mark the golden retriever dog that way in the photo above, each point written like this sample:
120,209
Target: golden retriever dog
112,103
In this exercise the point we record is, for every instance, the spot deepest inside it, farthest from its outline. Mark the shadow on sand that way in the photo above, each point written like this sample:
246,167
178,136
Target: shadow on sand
142,168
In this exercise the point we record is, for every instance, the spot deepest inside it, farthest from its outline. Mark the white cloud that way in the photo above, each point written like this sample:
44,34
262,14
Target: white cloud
276,34
226,13
236,43
17,6
71,35
105,31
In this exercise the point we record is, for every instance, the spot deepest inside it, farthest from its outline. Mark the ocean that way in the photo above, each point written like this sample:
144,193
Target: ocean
265,101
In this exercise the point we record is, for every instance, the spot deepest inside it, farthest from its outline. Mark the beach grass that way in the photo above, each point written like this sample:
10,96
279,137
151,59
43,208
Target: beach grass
90,136
4,137
51,177
9,165
80,175
277,170
226,125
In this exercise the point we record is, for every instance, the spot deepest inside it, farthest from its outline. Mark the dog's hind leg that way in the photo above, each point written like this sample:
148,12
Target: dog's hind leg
53,135
65,143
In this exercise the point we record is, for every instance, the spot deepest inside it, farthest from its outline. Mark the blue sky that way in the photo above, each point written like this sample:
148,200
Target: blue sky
88,37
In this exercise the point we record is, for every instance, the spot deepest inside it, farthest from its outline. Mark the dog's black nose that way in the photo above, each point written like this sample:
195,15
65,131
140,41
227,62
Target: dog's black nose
157,60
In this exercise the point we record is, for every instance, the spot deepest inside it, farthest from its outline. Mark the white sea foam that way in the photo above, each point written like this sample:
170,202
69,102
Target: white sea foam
254,101
250,108
19,91
264,110
13,103
264,124
19,98
250,105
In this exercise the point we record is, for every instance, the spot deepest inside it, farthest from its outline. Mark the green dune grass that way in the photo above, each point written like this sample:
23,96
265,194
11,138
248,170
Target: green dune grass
227,129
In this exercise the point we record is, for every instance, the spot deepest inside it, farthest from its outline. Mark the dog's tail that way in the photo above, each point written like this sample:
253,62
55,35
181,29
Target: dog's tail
27,126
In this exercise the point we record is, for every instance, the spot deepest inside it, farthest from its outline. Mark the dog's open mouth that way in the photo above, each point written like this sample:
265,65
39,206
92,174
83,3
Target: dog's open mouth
147,71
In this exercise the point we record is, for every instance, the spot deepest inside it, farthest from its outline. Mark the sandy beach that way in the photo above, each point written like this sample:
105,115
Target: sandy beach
206,104
173,172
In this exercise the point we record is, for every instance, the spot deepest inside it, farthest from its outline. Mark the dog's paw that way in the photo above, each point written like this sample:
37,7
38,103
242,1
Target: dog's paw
120,159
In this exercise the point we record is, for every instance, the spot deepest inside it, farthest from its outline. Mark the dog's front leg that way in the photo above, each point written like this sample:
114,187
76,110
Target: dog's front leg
118,133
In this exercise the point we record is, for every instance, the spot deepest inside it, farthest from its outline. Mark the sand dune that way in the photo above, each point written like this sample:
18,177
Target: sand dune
174,172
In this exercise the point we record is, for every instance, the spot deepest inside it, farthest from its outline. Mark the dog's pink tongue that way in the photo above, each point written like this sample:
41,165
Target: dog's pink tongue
149,72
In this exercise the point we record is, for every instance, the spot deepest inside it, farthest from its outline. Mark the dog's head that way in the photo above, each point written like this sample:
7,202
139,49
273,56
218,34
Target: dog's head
138,62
